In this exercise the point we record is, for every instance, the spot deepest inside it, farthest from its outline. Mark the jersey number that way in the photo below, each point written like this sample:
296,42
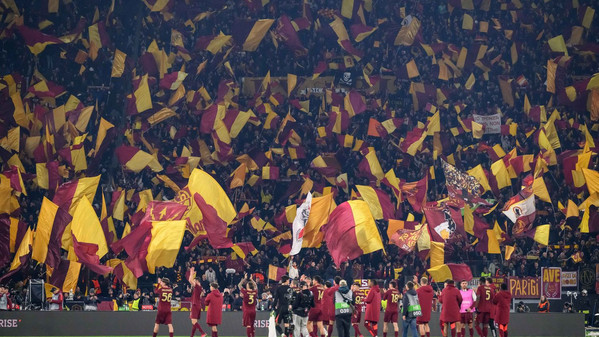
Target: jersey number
320,294
166,297
487,295
394,298
250,299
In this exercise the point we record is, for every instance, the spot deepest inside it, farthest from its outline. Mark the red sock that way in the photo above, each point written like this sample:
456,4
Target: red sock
452,331
199,327
155,334
170,334
330,329
254,331
485,331
313,333
357,330
478,330
428,334
464,331
384,334
396,333
471,332
248,331
193,330
214,333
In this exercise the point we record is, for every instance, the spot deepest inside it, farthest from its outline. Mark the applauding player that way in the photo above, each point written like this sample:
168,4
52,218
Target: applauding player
164,315
249,295
196,302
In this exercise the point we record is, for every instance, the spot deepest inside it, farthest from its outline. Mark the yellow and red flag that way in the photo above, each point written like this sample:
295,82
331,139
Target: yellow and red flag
351,232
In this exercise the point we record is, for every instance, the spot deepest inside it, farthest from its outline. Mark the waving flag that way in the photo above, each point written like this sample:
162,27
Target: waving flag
51,223
378,201
406,239
66,275
451,271
35,40
351,232
165,244
301,218
21,256
250,33
136,160
520,209
216,227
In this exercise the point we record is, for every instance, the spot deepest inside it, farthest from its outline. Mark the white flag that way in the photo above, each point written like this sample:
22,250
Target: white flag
301,217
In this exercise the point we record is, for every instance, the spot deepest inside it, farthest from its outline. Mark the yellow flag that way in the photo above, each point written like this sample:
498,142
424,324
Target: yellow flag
165,244
369,195
143,100
43,230
24,249
588,17
291,83
592,179
478,173
86,227
468,220
118,64
467,22
437,253
557,44
214,195
509,250
572,210
542,234
257,33
501,174
540,189
320,210
477,130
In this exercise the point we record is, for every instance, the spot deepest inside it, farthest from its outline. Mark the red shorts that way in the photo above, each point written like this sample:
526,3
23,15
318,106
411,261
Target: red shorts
483,317
315,315
164,317
466,317
249,317
356,317
196,312
390,317
420,321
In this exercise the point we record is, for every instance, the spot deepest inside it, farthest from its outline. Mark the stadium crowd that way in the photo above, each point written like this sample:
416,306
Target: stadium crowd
451,61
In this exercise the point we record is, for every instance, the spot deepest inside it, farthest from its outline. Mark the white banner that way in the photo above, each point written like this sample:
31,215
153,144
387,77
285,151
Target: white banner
570,279
492,123
301,217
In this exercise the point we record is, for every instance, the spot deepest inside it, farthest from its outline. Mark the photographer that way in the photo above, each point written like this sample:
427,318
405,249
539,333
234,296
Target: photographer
91,303
522,308
302,303
344,302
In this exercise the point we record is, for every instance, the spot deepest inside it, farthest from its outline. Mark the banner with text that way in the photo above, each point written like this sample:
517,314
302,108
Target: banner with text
551,283
492,123
525,287
569,279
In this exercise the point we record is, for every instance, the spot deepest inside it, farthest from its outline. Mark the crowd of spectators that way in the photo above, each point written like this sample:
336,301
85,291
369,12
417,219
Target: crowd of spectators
132,27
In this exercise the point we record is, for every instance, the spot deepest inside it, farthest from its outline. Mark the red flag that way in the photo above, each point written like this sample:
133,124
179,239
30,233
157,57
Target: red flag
215,227
415,192
86,253
406,239
35,40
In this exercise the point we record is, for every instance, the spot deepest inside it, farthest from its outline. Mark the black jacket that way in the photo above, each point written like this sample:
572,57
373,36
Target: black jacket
282,298
303,302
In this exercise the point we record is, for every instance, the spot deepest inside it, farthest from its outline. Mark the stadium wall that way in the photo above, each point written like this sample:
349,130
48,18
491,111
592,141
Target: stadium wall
82,323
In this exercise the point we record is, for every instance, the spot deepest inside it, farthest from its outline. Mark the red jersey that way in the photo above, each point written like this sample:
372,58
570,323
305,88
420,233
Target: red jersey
484,296
318,292
359,300
196,295
249,299
165,295
392,296
329,302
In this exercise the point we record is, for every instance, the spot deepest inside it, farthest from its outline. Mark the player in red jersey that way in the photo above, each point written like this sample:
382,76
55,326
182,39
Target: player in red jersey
164,315
502,299
249,295
373,308
316,314
450,311
214,301
425,297
392,296
492,326
483,304
196,303
329,304
359,305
